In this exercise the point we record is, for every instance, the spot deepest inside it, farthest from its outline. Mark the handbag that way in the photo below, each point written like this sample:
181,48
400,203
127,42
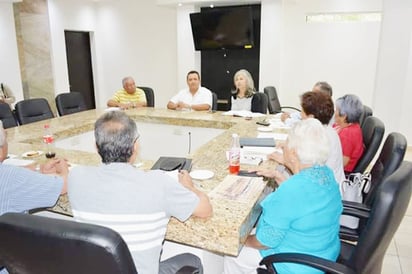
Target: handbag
352,189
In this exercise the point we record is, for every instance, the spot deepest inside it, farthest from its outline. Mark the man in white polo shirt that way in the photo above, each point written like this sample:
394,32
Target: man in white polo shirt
194,97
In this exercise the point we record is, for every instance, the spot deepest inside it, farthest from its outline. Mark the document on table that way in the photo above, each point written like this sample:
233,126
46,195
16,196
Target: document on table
276,136
243,113
239,188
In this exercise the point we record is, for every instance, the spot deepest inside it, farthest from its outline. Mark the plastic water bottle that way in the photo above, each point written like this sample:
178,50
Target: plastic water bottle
234,155
48,141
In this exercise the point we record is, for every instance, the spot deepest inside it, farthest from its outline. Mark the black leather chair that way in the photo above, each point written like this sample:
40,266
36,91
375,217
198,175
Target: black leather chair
372,132
36,245
68,103
273,101
260,103
214,101
389,160
7,116
367,111
150,99
33,110
386,214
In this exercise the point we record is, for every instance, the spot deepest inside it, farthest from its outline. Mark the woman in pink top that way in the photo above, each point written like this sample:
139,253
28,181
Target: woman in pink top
348,112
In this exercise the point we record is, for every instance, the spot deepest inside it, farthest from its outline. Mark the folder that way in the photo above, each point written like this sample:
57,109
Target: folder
257,142
173,163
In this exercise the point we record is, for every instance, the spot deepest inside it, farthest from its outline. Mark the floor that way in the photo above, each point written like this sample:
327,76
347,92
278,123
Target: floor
398,258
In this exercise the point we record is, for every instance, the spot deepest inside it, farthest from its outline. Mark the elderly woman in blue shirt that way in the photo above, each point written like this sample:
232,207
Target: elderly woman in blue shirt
302,215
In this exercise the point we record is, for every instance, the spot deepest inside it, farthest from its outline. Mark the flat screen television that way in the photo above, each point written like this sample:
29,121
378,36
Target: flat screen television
223,28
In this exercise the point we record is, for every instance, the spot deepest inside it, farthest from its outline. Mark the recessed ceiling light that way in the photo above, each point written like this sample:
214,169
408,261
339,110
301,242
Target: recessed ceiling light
212,6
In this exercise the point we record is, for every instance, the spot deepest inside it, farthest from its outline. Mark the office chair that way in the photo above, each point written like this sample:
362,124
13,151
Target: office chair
7,116
372,133
214,101
389,159
33,110
36,245
367,111
273,101
260,103
150,99
68,103
383,220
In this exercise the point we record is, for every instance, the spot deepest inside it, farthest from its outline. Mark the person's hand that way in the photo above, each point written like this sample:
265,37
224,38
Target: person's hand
276,156
279,176
55,166
181,105
185,179
284,116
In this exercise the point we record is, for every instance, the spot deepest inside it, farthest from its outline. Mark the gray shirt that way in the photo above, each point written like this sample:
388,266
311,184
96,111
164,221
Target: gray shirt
135,203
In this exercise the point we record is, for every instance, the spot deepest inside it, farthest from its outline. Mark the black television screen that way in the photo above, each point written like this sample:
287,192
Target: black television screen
224,27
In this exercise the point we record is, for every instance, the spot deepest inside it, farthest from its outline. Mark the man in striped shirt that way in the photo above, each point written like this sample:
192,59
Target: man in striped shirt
128,97
135,203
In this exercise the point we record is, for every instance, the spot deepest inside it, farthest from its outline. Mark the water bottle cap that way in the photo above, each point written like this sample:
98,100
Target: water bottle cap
46,126
234,135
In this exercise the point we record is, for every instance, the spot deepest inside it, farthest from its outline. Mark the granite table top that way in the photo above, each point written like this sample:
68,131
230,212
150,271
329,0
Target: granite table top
232,221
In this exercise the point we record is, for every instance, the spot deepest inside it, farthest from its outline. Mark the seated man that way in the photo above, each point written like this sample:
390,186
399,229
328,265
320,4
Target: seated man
195,97
129,96
22,189
135,203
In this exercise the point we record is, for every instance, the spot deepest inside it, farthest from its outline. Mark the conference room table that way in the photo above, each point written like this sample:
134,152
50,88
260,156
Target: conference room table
225,232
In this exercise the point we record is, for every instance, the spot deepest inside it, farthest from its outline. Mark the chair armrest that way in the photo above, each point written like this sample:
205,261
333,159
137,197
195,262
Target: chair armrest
309,260
188,270
356,212
289,107
356,205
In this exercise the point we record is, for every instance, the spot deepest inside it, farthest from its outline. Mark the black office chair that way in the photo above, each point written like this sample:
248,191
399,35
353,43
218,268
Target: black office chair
260,102
386,214
7,116
214,101
389,159
33,110
372,133
273,101
150,99
35,245
367,111
68,103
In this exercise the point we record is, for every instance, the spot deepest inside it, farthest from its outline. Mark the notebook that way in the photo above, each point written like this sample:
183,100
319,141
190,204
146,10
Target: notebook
257,142
173,163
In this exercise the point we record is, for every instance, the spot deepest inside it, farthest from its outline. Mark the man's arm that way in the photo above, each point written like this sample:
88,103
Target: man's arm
204,208
171,105
201,107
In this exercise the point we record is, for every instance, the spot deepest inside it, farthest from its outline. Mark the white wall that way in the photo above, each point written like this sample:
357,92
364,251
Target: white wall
135,38
342,53
9,65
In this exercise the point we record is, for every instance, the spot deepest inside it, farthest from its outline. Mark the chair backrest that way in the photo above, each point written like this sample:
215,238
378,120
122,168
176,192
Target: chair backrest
214,101
386,214
68,103
35,245
33,110
367,111
372,132
273,100
7,116
260,103
150,99
389,159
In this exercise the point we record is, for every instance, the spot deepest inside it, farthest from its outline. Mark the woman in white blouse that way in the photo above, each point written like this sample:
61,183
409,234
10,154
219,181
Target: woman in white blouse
241,98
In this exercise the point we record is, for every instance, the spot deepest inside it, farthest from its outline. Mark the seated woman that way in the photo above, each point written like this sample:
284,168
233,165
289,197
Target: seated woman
319,105
241,98
302,215
348,112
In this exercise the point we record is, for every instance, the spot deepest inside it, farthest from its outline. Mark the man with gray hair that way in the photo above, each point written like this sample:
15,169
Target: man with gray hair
128,97
135,203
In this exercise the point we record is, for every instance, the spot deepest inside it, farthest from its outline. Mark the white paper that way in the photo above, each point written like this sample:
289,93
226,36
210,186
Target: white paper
276,136
243,113
17,162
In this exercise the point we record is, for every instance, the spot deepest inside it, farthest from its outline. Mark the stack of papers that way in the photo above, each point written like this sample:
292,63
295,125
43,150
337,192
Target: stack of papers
243,113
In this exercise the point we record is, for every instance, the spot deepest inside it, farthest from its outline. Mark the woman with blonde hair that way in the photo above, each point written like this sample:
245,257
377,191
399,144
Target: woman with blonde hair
241,98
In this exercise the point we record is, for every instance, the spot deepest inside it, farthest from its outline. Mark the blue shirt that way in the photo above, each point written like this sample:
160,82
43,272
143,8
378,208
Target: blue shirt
302,216
22,189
